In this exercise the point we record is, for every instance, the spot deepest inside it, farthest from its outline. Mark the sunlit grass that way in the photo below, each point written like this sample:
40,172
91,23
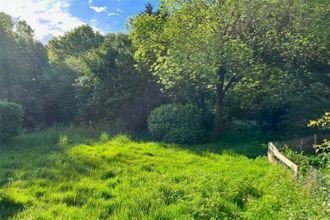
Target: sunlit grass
85,174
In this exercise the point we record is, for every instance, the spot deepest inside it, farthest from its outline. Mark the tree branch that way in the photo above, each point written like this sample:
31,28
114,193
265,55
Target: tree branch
234,79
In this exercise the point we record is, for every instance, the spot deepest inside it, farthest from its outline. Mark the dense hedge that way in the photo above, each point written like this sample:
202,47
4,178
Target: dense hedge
176,123
11,118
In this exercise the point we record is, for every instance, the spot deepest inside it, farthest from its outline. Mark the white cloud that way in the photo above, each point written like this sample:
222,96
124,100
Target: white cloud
48,18
118,12
98,9
113,14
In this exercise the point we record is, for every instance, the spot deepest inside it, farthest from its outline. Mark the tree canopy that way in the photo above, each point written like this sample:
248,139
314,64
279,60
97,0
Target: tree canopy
217,45
262,61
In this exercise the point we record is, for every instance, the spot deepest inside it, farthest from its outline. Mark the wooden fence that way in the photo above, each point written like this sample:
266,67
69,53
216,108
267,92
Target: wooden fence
274,155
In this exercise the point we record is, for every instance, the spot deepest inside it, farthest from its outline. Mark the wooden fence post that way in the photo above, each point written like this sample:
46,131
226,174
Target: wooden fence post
274,153
270,154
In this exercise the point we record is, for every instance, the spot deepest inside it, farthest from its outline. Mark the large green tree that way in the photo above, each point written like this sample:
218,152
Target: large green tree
22,62
66,66
74,43
110,90
216,44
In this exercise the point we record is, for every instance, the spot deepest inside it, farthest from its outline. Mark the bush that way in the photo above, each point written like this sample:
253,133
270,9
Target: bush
11,119
176,123
322,150
323,153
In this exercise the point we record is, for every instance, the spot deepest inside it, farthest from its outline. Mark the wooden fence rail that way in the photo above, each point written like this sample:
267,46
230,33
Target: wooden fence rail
274,155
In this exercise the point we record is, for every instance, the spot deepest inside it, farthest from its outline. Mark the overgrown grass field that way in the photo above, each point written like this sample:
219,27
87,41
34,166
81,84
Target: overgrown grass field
80,174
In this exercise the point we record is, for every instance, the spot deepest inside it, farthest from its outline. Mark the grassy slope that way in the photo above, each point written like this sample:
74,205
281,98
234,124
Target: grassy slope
123,179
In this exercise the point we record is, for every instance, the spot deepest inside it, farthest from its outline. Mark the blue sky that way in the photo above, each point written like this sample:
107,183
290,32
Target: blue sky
108,15
51,18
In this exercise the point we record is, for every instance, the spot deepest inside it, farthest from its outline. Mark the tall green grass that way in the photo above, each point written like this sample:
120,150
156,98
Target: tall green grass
76,173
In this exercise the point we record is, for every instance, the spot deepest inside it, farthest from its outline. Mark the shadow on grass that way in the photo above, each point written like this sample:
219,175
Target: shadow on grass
49,138
249,145
250,150
8,207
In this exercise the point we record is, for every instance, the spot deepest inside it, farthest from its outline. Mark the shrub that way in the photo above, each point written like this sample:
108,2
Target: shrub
322,150
11,119
176,123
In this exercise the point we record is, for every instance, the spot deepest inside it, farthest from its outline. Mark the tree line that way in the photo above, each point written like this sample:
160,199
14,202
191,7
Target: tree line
242,63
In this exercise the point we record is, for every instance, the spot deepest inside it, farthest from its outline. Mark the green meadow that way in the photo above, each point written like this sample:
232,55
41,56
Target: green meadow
85,174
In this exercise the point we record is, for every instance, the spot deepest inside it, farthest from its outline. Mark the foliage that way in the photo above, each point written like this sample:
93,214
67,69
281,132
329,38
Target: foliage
176,123
233,60
61,105
86,78
107,83
11,118
323,150
66,67
219,46
123,179
111,90
22,61
74,43
323,122
313,172
304,162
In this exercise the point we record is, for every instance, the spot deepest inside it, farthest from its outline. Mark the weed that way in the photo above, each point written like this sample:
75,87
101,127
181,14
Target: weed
63,142
104,137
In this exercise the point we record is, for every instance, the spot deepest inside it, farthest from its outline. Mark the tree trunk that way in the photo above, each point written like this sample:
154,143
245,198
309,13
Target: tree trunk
218,127
218,114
